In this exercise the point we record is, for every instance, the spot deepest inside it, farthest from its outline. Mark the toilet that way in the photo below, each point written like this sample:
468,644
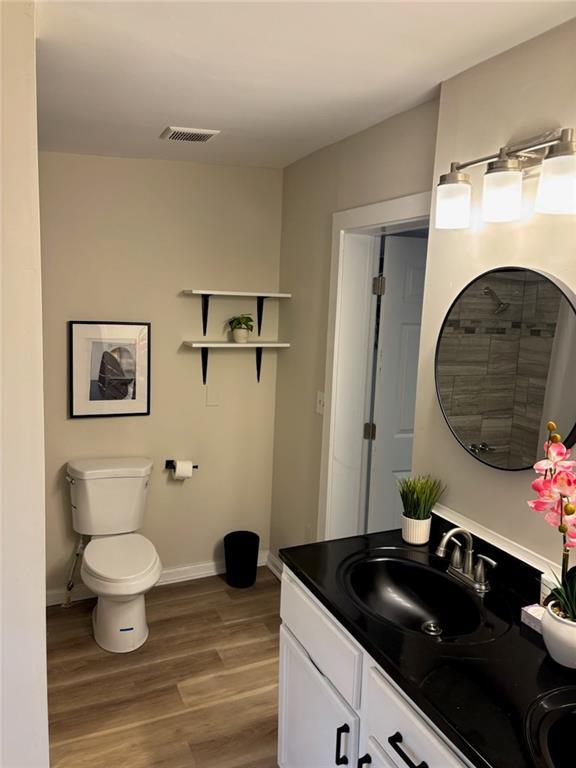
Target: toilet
108,499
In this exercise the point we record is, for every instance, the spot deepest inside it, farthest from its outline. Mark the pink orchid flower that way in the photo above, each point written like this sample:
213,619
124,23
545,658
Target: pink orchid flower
571,532
555,487
549,494
542,505
564,484
553,517
557,458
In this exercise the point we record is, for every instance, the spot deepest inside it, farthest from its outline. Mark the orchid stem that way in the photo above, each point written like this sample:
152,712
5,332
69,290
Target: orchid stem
565,559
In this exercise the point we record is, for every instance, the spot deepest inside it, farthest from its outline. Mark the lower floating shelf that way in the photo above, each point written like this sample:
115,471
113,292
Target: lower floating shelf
205,346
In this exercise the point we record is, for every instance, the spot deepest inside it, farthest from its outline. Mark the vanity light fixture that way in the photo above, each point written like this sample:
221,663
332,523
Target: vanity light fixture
502,193
557,188
554,150
453,200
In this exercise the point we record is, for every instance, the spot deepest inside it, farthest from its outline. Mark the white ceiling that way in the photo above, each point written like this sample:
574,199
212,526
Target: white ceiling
278,79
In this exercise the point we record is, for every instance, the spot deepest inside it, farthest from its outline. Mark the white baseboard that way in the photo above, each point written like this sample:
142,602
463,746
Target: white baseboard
57,596
169,576
275,565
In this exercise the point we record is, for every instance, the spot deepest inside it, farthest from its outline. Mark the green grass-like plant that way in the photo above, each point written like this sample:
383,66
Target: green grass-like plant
241,321
419,495
565,595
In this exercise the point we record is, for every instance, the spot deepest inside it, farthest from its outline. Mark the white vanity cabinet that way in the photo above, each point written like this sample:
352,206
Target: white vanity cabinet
337,706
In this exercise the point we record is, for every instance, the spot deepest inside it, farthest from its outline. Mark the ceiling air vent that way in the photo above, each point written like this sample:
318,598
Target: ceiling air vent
188,134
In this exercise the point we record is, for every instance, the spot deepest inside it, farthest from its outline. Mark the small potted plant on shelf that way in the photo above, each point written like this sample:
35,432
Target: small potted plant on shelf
419,495
555,487
241,326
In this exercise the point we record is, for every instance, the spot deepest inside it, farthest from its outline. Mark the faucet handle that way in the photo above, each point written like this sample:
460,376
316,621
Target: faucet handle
456,558
480,570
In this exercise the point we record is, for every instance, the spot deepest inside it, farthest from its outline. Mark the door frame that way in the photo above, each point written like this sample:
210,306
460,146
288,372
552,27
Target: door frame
356,233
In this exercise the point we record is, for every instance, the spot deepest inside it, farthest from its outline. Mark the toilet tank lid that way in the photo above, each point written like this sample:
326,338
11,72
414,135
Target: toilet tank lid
92,469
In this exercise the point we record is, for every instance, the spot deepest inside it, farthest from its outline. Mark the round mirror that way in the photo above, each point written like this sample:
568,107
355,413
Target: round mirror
506,365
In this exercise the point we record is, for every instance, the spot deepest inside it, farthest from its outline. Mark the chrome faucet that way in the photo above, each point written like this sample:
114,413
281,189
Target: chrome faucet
471,574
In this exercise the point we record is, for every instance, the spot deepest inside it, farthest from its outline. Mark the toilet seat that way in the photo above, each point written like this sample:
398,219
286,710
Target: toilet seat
120,565
120,558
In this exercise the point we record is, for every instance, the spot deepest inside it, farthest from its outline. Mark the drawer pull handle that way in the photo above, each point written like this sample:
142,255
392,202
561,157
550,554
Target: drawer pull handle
395,742
340,758
366,760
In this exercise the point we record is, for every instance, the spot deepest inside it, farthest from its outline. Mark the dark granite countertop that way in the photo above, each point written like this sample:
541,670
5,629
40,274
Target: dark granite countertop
477,693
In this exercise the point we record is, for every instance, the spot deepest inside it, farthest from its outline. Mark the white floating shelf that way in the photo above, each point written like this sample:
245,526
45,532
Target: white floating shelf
258,346
249,294
234,345
261,297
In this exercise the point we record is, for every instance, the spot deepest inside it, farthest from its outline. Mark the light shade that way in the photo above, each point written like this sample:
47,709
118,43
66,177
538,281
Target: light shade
453,200
557,187
502,195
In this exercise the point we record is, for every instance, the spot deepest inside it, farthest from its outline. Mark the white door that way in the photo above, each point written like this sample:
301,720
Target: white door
375,757
395,382
317,728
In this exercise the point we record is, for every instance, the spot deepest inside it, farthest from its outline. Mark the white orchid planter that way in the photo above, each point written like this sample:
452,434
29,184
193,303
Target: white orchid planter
559,637
416,531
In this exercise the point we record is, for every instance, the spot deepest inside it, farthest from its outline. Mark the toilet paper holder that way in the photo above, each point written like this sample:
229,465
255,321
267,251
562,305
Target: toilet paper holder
171,464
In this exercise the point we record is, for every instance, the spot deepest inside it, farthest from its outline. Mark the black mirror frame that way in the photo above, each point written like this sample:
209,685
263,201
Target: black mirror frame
570,297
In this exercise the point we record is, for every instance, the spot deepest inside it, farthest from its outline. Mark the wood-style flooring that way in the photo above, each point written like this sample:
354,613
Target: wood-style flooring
200,693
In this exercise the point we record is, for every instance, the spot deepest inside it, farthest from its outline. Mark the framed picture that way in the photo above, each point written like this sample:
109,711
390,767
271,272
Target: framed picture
109,368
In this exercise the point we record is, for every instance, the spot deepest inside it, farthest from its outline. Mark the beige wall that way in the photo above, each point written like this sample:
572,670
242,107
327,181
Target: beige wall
520,93
108,223
391,159
24,719
120,240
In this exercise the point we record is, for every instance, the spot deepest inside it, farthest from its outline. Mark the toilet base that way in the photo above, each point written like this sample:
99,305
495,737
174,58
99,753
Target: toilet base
119,624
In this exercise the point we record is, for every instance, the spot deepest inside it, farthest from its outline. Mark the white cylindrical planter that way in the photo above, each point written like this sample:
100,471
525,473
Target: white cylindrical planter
560,638
240,335
416,531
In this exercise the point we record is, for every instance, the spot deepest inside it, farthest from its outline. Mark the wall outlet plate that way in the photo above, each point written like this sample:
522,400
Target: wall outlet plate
212,397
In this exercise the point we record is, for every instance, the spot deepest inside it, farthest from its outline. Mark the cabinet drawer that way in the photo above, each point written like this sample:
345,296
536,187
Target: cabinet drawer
329,648
401,730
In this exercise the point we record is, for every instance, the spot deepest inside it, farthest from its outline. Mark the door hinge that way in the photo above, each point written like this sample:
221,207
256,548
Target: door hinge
379,285
369,431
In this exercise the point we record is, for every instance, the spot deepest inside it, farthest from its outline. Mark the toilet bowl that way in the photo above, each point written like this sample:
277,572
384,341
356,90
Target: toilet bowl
120,570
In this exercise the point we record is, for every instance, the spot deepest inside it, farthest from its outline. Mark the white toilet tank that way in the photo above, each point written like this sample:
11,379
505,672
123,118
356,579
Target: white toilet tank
108,495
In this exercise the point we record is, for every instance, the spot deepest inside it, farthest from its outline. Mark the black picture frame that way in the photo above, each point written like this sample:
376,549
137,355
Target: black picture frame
113,393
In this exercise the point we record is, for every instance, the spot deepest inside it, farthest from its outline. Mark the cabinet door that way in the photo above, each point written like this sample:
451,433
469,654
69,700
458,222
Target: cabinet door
317,729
